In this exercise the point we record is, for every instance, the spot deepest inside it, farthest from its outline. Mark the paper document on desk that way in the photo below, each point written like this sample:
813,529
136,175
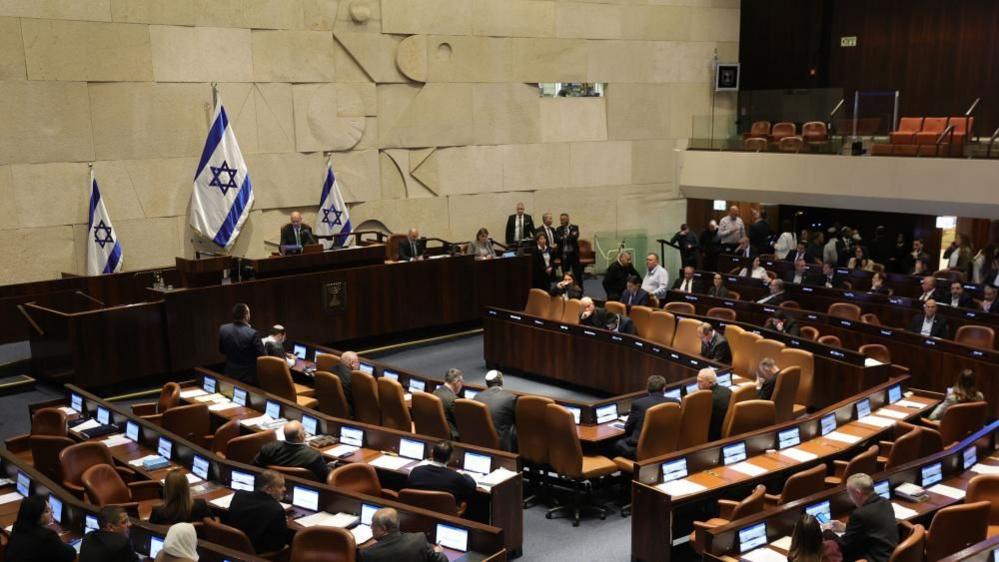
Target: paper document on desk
886,413
799,455
324,519
910,404
341,450
985,469
495,477
682,487
219,406
390,462
748,468
843,437
139,461
192,393
250,422
68,411
902,512
10,497
871,362
362,534
223,502
89,424
949,491
191,478
765,555
876,421
211,398
783,543
116,440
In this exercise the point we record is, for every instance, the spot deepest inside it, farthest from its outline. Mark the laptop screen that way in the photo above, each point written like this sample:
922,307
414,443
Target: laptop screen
576,413
132,431
931,474
894,393
607,413
391,375
417,385
674,394
90,523
863,408
725,379
367,512
273,409
103,416
828,424
199,466
305,498
788,438
155,545
299,351
23,484
164,447
366,369
674,470
411,449
970,457
239,480
352,436
76,402
469,394
752,537
310,424
239,396
820,511
451,537
475,462
734,453
209,385
56,505
883,489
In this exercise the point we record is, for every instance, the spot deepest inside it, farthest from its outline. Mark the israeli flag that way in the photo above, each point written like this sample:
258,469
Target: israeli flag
333,216
103,249
223,194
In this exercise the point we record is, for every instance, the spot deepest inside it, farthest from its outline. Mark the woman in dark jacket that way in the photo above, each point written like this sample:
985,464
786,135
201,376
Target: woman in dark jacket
32,540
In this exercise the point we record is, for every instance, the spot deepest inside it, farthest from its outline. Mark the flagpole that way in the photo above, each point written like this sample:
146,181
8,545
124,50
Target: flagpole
215,94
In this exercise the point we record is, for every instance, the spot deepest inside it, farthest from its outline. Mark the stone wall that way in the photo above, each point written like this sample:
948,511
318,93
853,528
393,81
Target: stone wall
431,108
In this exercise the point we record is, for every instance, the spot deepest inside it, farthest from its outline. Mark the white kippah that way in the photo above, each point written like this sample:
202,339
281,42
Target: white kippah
492,375
278,327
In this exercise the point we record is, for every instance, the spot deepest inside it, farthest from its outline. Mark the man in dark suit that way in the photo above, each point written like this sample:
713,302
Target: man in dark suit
872,532
617,275
917,254
568,246
437,476
829,278
714,346
502,407
293,452
412,248
928,289
687,243
542,263
776,295
349,362
990,302
241,345
110,542
766,378
799,275
620,324
799,253
744,249
929,324
711,246
958,297
591,315
448,392
295,233
274,343
519,226
627,446
634,294
780,322
720,397
688,283
259,513
395,546
759,232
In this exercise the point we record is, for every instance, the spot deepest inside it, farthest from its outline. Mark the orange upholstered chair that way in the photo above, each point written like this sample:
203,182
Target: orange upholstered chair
907,129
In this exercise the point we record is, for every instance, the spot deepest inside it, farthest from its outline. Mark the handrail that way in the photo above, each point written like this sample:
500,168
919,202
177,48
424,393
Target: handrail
90,298
31,320
971,109
992,141
837,108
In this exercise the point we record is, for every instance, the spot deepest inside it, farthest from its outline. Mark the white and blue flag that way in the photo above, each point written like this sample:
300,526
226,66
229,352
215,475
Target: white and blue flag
103,248
223,194
333,216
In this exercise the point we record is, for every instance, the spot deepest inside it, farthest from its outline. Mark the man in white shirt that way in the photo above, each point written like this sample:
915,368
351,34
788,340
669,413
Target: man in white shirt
520,226
928,288
929,324
800,274
687,283
743,249
656,281
731,229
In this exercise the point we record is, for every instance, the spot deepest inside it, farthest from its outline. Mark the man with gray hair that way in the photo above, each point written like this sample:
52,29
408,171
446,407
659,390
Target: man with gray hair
617,275
720,397
349,361
590,314
448,392
502,406
766,378
293,452
871,533
259,513
395,546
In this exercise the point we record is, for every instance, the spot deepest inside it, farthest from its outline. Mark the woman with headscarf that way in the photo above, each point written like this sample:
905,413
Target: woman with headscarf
180,545
32,540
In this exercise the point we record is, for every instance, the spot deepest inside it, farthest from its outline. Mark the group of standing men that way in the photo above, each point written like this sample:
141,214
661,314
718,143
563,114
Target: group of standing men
553,246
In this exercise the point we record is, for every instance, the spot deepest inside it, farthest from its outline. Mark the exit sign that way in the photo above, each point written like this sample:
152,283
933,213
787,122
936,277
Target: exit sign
849,41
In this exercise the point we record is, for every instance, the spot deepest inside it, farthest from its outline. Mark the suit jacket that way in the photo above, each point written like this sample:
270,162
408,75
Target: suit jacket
640,298
636,416
625,325
406,249
503,409
343,373
304,232
720,397
965,301
717,350
616,279
695,285
568,242
401,547
806,279
872,533
199,510
759,236
541,279
766,390
292,455
40,544
448,397
773,299
938,330
261,517
273,348
442,479
105,546
993,308
836,281
688,247
596,320
511,227
791,326
241,345
720,292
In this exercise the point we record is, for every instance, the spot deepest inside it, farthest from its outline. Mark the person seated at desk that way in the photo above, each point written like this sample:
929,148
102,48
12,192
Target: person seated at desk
964,390
766,378
627,446
714,346
259,513
32,540
519,226
394,546
349,361
109,543
920,267
543,263
755,270
437,476
806,541
929,324
860,261
720,397
829,279
798,276
879,284
241,345
917,254
779,321
617,275
567,288
293,452
590,314
958,297
990,302
872,533
777,294
180,544
743,249
448,392
634,295
481,247
656,281
178,507
620,324
502,406
412,248
718,288
800,252
274,342
687,283
296,233
928,289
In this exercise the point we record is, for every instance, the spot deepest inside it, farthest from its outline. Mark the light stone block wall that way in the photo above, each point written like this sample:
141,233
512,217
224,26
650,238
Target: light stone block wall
430,108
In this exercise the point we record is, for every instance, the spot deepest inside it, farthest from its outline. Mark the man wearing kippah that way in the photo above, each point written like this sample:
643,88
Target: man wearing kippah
502,406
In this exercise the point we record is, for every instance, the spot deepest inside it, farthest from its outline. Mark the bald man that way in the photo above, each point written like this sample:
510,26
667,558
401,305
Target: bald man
395,546
293,452
720,397
297,233
412,248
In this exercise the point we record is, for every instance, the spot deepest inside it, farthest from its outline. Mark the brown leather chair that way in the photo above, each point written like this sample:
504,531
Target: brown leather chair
475,424
74,460
791,144
587,257
904,449
616,307
658,436
814,132
48,421
103,486
245,447
152,411
785,390
367,408
876,351
960,421
532,441
932,127
662,327
799,485
755,144
912,546
275,378
748,415
326,362
323,544
677,307
223,435
642,317
359,478
728,511
742,353
230,537
734,295
45,451
296,471
985,487
791,357
809,333
441,502
955,528
392,246
846,310
790,304
764,348
870,318
395,413
556,309
741,394
565,455
783,129
866,463
330,398
538,303
695,419
759,129
571,312
722,313
906,131
192,422
428,416
686,339
976,336
830,339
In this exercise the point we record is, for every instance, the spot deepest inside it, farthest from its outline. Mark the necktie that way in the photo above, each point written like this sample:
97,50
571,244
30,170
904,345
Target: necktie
298,236
520,227
412,246
686,286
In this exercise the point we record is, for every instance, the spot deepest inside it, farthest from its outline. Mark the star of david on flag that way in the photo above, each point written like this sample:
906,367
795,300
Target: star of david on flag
223,194
103,248
334,219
